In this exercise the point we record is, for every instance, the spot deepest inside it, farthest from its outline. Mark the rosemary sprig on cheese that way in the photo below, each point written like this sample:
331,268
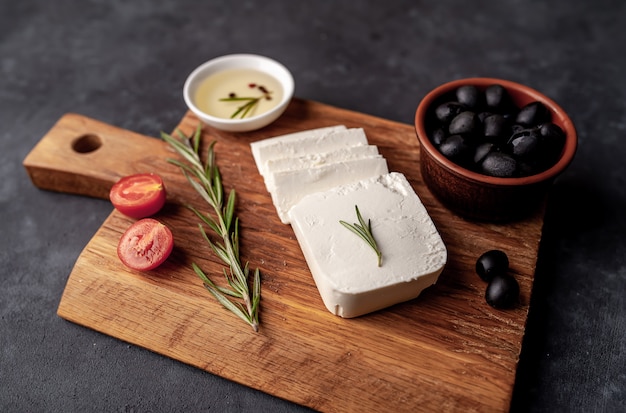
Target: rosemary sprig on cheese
206,179
364,231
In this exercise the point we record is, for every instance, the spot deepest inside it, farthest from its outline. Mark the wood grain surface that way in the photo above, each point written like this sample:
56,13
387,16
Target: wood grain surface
445,351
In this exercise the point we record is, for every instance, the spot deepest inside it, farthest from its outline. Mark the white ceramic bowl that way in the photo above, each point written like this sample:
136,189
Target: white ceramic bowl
239,61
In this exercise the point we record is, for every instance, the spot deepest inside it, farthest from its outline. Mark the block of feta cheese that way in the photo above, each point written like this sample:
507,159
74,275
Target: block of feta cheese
345,267
289,187
274,166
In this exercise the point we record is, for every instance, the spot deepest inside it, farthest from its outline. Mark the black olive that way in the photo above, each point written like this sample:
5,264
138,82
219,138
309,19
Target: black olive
455,148
438,136
447,111
497,97
553,136
481,151
482,115
553,141
526,145
502,291
553,131
517,128
465,123
528,168
510,114
499,164
491,263
533,114
469,96
495,126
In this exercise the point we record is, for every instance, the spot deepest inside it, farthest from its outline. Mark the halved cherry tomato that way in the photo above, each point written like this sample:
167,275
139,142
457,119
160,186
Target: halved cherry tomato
145,245
138,196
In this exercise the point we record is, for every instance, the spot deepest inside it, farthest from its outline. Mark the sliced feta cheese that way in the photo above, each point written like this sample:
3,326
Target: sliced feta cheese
291,186
270,148
345,267
274,166
309,143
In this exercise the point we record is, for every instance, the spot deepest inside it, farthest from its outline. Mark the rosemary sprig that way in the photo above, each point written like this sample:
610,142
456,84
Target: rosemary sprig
206,179
251,102
244,109
364,231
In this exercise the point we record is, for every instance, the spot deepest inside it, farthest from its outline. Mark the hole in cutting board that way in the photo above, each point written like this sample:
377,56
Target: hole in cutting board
86,143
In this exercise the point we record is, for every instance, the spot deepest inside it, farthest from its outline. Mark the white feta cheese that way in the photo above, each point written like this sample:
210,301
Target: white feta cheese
270,148
344,266
291,186
304,143
312,160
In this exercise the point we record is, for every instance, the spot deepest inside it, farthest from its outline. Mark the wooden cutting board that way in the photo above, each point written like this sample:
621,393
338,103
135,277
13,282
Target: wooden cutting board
445,351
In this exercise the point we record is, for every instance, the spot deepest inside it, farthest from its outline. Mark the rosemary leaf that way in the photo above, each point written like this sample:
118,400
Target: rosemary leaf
237,99
217,248
182,149
196,138
217,185
238,111
247,107
237,310
207,219
180,134
229,210
226,291
235,239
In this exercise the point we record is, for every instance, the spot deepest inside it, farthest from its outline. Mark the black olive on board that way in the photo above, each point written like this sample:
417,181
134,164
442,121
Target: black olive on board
491,263
502,291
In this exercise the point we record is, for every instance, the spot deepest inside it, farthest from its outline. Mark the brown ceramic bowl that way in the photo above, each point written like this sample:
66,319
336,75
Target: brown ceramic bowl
480,197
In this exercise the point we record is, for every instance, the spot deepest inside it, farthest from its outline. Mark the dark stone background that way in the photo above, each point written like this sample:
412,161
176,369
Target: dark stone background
124,63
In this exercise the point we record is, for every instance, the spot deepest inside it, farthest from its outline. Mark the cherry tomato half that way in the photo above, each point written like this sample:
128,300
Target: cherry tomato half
145,245
138,196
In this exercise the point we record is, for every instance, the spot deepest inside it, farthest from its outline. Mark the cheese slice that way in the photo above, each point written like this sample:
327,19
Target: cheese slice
315,141
291,186
271,148
274,166
344,266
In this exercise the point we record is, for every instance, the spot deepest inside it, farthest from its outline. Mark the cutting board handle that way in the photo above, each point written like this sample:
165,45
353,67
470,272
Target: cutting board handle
84,156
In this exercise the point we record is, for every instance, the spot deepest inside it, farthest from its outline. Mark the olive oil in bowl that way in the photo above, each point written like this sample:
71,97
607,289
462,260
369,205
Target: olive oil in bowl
238,93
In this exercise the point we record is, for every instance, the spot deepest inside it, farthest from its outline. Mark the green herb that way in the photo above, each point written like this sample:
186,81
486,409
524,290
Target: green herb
364,231
205,178
250,102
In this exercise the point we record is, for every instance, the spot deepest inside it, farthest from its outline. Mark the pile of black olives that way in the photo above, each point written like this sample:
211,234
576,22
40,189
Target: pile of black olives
483,131
502,288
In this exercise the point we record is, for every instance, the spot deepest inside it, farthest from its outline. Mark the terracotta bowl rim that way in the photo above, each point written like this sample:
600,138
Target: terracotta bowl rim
571,140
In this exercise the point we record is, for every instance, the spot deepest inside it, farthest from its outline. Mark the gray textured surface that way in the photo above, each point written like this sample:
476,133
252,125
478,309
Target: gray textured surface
125,62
